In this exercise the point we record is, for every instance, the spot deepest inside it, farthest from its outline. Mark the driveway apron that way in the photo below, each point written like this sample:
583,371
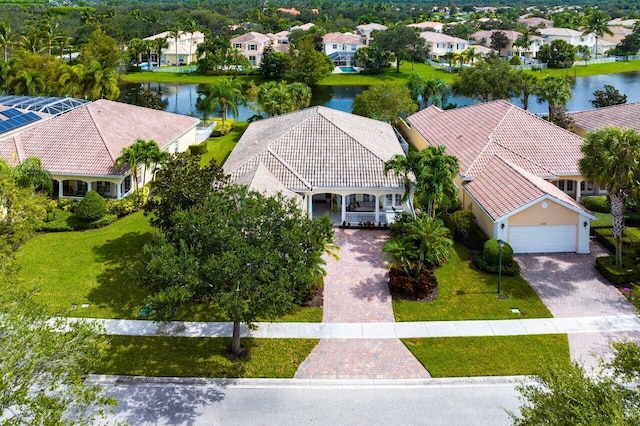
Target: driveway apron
356,291
570,286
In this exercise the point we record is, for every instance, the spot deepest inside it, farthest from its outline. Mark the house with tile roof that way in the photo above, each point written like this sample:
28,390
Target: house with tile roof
366,30
79,147
573,37
341,47
483,38
439,44
181,50
252,45
625,116
519,174
328,160
428,26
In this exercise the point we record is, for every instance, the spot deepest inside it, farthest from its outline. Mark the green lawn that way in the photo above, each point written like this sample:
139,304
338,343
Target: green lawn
219,148
183,78
593,69
468,294
489,356
389,76
603,220
93,267
203,357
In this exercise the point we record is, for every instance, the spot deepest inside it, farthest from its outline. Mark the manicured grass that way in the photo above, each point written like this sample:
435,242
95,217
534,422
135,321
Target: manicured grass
183,78
592,69
94,268
203,357
468,294
389,76
489,356
219,148
603,220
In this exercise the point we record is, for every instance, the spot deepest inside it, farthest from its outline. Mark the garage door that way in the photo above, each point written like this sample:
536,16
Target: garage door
543,239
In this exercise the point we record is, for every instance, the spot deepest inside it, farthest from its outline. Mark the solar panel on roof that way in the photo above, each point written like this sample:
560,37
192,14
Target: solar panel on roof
17,120
11,113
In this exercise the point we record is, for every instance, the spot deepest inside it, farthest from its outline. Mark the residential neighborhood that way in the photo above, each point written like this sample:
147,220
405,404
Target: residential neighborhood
331,213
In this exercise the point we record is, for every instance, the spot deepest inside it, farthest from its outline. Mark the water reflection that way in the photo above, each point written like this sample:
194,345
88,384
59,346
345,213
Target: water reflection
182,98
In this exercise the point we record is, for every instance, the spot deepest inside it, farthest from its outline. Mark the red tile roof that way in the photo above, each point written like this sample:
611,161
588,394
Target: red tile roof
623,116
476,133
504,187
88,139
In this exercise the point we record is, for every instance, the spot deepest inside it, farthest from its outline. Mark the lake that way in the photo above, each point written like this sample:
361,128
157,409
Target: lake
182,98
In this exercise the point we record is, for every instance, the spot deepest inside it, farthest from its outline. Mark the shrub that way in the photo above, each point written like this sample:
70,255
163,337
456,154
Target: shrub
461,224
221,130
126,206
490,259
515,61
598,204
68,204
606,265
199,149
422,286
105,220
92,207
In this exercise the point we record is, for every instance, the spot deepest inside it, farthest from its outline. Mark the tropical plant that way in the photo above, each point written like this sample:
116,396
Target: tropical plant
437,91
131,156
556,91
557,54
30,174
608,97
471,55
7,39
525,85
277,98
225,94
597,22
71,80
100,83
385,102
175,34
523,41
415,84
611,160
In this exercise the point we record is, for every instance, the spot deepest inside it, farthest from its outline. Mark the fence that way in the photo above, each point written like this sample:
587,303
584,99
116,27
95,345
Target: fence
184,70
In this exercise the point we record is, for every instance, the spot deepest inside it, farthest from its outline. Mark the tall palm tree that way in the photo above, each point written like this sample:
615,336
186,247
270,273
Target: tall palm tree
32,42
434,186
404,166
158,44
7,39
7,72
449,56
556,91
71,80
415,84
437,91
471,55
136,47
611,160
190,27
525,85
300,95
131,156
225,94
49,33
597,22
523,41
175,33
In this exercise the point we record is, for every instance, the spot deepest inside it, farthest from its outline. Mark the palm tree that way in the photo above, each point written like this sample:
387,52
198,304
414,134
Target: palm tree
30,174
404,166
274,98
434,184
159,44
48,31
28,82
556,91
225,94
101,83
597,22
7,73
471,55
523,41
131,156
449,56
137,47
71,80
415,84
175,33
611,160
190,27
32,42
459,57
6,39
300,95
437,90
525,84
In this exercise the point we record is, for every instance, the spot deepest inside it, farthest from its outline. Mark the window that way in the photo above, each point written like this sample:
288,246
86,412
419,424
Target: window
252,59
127,184
569,186
388,200
561,185
237,45
366,197
253,47
335,46
586,184
398,200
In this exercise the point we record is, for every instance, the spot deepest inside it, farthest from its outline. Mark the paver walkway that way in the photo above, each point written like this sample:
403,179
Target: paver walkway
356,291
570,286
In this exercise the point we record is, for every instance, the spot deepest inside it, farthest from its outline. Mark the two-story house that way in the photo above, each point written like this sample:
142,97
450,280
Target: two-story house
440,44
483,38
573,37
341,47
252,45
180,50
365,31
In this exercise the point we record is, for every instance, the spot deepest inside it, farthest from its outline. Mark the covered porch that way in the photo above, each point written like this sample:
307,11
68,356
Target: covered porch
77,187
578,187
366,209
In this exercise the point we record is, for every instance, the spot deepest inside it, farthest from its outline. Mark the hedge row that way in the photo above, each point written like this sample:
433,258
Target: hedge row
606,266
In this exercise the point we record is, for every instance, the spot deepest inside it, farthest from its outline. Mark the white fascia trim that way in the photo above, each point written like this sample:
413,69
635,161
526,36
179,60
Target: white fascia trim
551,198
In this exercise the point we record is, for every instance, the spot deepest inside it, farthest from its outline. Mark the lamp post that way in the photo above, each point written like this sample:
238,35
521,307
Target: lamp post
501,245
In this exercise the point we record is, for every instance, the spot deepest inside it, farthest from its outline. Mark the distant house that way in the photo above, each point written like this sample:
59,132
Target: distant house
535,22
626,116
341,47
328,161
303,27
365,31
483,38
183,51
573,37
629,23
79,141
252,45
440,44
428,26
519,174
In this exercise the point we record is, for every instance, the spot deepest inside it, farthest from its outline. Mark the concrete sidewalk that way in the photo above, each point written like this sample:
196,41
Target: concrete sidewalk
379,330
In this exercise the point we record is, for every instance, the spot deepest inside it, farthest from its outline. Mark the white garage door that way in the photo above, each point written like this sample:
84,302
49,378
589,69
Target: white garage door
543,239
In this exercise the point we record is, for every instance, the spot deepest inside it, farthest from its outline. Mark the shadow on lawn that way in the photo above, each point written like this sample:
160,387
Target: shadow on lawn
117,284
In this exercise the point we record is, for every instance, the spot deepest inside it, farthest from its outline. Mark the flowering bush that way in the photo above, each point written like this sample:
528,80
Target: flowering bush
629,294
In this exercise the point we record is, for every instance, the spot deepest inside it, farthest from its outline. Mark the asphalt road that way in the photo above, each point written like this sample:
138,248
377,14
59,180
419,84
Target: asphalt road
441,403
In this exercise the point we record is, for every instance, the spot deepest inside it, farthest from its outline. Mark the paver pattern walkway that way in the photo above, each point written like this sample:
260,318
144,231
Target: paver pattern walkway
570,286
356,291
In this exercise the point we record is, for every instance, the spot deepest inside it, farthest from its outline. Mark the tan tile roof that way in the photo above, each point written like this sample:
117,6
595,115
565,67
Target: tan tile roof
88,139
372,27
504,187
346,38
511,35
260,179
476,133
252,36
623,116
560,32
318,147
433,37
436,26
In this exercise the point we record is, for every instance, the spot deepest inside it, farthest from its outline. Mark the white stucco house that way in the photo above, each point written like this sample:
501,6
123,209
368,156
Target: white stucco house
252,45
440,44
329,161
483,38
341,47
573,37
181,50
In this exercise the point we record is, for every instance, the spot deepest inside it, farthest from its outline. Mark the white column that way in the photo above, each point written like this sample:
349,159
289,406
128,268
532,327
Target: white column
578,190
310,205
343,209
88,186
377,209
118,190
60,188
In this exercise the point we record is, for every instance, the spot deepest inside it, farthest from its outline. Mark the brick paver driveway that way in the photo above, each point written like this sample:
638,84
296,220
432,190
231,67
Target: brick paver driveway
570,286
356,290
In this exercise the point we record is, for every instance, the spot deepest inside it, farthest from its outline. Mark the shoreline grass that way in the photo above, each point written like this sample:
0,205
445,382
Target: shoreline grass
219,148
489,356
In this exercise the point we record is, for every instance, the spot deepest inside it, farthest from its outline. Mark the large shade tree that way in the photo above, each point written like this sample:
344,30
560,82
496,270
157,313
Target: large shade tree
487,81
385,102
611,159
245,254
400,40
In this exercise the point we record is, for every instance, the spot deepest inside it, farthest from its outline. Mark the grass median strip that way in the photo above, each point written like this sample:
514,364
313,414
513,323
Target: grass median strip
203,357
468,294
489,356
